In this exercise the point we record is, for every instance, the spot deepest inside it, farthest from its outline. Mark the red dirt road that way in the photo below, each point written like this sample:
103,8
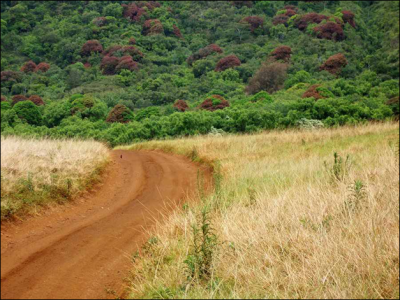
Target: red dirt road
82,249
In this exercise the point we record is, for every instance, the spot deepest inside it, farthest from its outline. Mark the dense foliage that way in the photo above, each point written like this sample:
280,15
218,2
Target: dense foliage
122,71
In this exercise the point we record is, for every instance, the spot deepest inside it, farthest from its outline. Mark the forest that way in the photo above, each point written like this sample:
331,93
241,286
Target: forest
123,71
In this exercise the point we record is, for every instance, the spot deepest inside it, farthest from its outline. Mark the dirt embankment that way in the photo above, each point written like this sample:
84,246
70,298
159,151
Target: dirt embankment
83,249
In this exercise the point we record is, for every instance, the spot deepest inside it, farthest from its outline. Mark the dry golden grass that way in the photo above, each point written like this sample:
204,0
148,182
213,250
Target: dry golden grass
287,228
34,172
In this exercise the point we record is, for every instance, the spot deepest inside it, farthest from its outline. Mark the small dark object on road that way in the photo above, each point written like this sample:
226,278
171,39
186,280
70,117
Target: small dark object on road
121,155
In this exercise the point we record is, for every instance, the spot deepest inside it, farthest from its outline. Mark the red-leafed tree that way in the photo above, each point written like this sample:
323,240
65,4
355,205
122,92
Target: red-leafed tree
3,98
181,105
112,50
280,19
330,31
312,92
18,98
334,64
10,76
152,27
291,7
227,62
290,13
108,64
348,17
100,21
133,12
42,67
152,5
36,99
87,65
310,18
28,67
132,41
126,63
282,53
214,102
136,54
91,46
120,113
270,77
204,52
254,22
177,31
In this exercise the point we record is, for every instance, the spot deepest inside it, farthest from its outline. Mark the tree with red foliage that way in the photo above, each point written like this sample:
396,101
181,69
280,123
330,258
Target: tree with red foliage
152,5
18,98
108,64
291,7
133,12
181,105
242,3
10,76
126,63
42,67
152,26
132,41
213,103
330,31
290,13
254,21
348,17
3,98
87,65
227,62
310,18
334,64
28,67
313,93
203,52
136,54
270,77
100,21
91,46
280,19
110,51
282,53
177,31
36,99
120,113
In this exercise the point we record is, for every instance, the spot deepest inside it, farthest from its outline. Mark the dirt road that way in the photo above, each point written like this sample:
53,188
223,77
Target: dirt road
82,249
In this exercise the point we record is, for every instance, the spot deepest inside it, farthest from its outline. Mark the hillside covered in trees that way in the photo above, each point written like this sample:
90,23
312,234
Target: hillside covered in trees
125,71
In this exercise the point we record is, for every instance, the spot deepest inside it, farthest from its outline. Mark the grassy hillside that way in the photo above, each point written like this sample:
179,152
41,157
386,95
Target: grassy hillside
295,214
40,172
123,71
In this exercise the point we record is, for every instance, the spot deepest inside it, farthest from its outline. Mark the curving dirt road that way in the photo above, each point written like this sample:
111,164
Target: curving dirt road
83,249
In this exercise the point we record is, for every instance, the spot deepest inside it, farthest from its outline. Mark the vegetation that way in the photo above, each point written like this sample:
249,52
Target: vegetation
41,172
146,56
310,213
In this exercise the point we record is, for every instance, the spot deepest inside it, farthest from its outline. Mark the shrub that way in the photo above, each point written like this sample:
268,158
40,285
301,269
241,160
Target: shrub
100,21
261,97
254,21
126,63
280,19
133,12
282,53
28,67
227,62
29,112
3,98
10,77
18,98
334,64
270,77
108,65
91,46
312,92
152,27
181,105
330,31
393,103
120,113
214,102
348,17
36,100
42,67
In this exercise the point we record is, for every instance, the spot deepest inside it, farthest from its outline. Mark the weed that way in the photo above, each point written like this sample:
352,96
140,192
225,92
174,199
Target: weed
340,167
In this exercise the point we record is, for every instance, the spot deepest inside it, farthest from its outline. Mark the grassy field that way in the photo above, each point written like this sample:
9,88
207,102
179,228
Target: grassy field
289,218
39,172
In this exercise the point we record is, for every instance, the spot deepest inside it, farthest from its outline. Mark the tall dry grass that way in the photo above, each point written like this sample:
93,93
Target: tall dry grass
34,172
290,223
